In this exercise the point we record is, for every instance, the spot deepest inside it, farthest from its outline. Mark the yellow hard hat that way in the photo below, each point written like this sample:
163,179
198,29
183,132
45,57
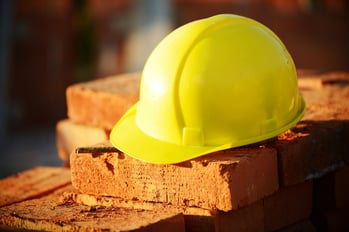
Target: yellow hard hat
212,84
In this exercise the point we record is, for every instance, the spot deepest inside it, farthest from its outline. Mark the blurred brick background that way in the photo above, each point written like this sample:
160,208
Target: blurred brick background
47,45
58,42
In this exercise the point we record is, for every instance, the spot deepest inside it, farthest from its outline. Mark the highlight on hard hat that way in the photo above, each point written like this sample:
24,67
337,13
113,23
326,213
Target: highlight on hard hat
212,84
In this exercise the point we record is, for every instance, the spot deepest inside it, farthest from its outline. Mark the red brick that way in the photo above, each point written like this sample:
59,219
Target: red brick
49,213
330,201
324,194
224,180
196,219
249,218
312,83
342,187
306,225
332,191
32,183
312,149
288,206
103,101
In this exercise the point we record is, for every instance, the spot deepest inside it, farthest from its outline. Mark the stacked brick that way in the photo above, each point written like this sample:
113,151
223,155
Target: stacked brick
34,201
264,187
295,182
93,108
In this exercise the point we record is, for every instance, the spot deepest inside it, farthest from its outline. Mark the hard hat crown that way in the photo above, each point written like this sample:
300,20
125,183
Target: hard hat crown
212,84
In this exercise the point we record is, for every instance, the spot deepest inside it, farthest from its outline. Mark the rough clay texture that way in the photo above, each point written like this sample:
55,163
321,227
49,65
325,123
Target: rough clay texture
282,209
32,183
66,209
196,219
103,101
50,213
224,180
289,205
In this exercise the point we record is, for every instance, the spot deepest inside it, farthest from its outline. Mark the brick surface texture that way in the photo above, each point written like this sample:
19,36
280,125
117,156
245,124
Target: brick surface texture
224,180
103,101
288,206
50,214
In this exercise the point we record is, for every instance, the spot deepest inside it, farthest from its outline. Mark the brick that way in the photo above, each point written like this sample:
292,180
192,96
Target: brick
318,144
288,206
330,201
196,219
331,191
326,96
32,183
103,101
306,225
224,180
50,213
309,82
342,187
312,149
106,201
314,81
324,194
70,135
249,218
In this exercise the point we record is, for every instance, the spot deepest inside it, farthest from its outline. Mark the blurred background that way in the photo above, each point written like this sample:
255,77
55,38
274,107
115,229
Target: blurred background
46,45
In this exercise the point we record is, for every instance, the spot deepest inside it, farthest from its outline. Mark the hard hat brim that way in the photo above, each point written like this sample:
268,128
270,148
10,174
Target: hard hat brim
130,139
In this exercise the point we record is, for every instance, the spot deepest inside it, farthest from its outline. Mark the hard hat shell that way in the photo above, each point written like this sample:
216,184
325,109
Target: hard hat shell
212,84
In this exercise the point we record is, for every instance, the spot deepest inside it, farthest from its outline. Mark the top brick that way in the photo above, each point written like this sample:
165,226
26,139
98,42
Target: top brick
103,101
